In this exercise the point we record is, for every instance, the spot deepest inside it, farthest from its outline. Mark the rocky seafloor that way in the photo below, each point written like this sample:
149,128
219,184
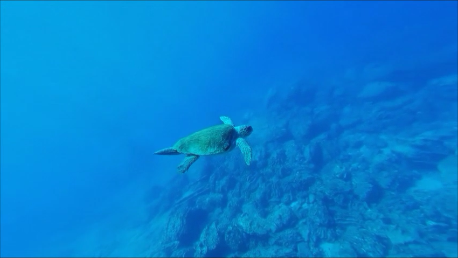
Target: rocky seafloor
368,170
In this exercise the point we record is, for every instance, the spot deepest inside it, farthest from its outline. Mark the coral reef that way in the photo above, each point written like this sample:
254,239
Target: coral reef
334,173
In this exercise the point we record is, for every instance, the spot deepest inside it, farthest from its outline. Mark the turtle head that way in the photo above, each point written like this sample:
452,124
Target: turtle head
244,130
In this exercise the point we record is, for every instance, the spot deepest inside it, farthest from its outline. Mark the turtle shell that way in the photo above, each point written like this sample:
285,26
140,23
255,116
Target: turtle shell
212,140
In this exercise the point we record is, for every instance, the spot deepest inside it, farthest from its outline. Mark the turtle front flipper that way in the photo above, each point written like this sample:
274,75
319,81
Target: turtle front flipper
167,151
245,149
226,120
187,162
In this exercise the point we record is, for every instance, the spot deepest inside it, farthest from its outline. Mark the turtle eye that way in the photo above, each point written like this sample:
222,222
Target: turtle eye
247,130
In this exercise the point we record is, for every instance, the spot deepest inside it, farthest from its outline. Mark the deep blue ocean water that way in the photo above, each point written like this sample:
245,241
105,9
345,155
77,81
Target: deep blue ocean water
353,106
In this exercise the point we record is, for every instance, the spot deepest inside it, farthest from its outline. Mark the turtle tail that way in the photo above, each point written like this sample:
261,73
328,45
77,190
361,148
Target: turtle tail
167,151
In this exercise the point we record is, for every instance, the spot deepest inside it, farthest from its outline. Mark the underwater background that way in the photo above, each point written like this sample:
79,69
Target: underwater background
353,107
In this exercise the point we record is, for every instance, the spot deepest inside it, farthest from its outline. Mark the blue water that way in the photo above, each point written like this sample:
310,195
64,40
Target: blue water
353,105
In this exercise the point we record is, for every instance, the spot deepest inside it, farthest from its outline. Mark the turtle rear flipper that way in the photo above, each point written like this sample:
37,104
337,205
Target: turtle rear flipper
167,151
245,149
187,162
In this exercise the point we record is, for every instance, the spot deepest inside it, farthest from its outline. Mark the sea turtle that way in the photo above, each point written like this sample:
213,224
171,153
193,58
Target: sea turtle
212,140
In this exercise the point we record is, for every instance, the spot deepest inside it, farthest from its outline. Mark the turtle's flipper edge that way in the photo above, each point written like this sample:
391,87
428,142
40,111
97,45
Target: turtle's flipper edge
245,149
187,162
226,120
167,151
